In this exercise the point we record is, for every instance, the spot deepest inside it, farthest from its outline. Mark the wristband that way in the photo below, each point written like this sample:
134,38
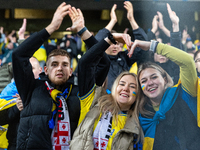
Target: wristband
110,37
81,31
153,46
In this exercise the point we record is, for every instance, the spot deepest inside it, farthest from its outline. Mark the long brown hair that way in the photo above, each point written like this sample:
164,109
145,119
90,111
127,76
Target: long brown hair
108,103
143,98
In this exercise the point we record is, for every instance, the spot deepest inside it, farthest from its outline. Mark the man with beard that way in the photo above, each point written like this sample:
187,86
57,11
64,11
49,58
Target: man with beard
51,106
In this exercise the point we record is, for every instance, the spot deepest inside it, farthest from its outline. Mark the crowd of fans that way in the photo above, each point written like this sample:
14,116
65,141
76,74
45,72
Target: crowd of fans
98,66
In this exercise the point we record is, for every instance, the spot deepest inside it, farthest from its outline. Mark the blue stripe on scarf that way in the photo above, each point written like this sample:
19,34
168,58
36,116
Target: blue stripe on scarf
52,121
149,124
64,94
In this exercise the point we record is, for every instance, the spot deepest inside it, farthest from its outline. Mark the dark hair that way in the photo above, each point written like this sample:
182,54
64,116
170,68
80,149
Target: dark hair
196,53
57,52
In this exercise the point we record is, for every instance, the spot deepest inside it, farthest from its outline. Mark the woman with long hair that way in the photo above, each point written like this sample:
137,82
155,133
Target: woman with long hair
168,114
107,121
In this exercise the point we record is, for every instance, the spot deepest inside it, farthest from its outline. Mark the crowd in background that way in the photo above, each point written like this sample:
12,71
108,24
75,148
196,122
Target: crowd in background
117,54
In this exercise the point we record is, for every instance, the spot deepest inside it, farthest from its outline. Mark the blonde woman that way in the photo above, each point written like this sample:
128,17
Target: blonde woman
106,121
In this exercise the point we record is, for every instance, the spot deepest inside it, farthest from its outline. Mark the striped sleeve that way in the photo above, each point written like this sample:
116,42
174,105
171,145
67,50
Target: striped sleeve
86,102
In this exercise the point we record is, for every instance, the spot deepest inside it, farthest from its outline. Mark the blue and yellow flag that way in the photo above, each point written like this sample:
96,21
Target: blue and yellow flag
6,101
149,124
41,54
6,98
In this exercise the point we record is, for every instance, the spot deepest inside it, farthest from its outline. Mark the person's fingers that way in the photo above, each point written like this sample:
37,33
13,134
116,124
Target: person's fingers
75,11
133,46
24,23
69,29
19,100
62,4
114,7
169,8
16,95
65,14
159,15
128,6
64,10
128,40
80,12
72,13
20,107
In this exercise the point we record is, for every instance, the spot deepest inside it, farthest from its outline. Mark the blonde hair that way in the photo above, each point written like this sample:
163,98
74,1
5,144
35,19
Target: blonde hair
143,98
108,103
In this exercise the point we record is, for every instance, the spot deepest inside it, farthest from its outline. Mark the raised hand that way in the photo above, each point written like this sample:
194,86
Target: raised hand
126,30
185,35
11,38
123,38
155,24
161,22
19,103
22,30
113,18
77,18
174,18
1,30
113,14
58,17
129,7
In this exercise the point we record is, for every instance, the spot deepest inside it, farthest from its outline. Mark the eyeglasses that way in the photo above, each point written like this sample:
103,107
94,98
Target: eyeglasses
197,60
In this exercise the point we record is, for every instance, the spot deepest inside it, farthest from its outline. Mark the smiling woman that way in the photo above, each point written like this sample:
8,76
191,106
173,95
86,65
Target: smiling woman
155,81
168,114
107,121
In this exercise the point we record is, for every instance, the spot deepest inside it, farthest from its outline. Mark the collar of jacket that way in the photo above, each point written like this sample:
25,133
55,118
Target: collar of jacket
113,57
44,77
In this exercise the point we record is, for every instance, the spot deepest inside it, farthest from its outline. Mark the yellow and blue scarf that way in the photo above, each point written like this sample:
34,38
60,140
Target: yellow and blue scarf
56,95
61,133
149,124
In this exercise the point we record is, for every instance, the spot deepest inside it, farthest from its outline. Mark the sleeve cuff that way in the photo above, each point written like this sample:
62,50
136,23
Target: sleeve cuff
153,45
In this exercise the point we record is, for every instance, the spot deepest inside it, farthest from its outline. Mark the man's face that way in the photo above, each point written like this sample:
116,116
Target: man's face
35,67
58,69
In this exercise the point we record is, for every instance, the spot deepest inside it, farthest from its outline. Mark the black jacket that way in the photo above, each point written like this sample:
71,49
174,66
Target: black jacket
34,132
93,66
121,62
11,116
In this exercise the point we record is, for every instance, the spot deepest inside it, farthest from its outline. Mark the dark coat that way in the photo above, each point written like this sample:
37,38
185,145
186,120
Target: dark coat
34,132
121,62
